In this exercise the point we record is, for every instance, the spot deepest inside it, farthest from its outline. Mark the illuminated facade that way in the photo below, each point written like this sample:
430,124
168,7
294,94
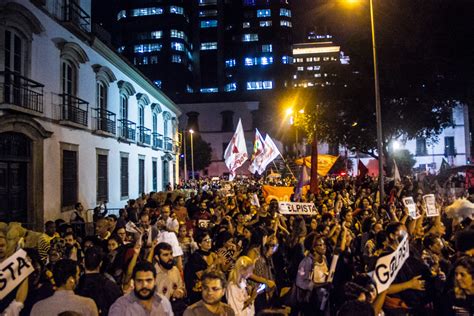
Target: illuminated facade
318,63
78,123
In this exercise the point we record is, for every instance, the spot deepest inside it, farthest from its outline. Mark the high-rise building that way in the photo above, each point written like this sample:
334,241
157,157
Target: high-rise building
319,62
155,36
207,47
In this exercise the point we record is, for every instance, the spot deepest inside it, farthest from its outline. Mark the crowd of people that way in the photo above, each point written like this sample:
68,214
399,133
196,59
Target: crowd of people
223,248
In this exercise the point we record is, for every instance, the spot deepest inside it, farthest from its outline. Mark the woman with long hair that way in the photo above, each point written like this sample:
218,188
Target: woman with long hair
238,295
460,299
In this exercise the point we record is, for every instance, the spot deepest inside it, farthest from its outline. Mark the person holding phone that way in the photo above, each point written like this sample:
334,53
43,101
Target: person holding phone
239,296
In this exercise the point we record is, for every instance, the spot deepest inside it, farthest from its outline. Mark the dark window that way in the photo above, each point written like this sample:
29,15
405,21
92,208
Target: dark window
449,149
141,176
69,178
154,170
421,147
102,178
227,121
124,177
166,173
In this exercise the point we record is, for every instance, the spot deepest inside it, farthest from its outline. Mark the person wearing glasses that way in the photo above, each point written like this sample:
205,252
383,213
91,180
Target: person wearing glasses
201,260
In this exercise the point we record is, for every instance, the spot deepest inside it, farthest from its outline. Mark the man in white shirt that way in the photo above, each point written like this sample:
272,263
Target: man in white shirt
172,239
168,278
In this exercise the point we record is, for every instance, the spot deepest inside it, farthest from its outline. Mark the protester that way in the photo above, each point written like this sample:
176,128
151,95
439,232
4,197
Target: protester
290,255
144,300
213,289
66,278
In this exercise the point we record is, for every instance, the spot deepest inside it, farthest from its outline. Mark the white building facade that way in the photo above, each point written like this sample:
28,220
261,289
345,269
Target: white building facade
77,122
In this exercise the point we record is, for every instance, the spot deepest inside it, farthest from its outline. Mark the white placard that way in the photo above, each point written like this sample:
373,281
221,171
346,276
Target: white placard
430,202
411,206
296,208
387,267
13,271
332,269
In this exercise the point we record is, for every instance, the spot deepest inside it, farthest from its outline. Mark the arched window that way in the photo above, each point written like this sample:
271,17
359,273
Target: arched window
126,90
16,34
141,115
123,107
104,76
166,123
68,77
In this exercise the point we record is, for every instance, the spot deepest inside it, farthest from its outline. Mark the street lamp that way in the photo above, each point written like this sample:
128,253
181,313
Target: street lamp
191,132
378,110
185,152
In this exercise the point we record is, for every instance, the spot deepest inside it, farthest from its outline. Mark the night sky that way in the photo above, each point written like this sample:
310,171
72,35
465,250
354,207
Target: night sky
419,41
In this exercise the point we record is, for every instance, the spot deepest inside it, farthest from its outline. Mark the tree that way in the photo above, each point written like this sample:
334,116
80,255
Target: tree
202,153
405,161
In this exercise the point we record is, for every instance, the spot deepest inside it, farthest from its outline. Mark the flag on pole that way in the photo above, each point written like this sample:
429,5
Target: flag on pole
258,152
269,154
236,152
304,179
396,173
362,169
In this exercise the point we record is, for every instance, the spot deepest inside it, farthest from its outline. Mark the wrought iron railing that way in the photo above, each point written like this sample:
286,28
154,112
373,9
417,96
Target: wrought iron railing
21,91
104,120
127,129
157,141
73,13
74,109
144,135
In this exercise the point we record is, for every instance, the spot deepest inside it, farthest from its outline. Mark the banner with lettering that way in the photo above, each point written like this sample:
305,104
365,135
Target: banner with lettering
430,202
387,267
296,208
13,271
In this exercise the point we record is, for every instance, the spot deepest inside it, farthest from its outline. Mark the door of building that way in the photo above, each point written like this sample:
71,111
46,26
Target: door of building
15,157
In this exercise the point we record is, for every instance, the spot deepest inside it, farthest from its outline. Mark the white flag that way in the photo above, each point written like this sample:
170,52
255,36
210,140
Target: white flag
258,151
236,152
270,152
396,173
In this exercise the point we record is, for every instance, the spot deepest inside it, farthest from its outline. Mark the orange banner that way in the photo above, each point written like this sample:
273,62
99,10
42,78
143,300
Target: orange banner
325,163
282,194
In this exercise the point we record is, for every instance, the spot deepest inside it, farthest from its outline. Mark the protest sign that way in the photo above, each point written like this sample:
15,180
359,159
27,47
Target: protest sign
387,267
411,206
430,202
296,208
332,269
13,271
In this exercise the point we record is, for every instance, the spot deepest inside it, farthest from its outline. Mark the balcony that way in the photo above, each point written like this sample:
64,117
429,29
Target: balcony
144,135
104,121
168,144
20,93
157,141
73,15
73,110
127,130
